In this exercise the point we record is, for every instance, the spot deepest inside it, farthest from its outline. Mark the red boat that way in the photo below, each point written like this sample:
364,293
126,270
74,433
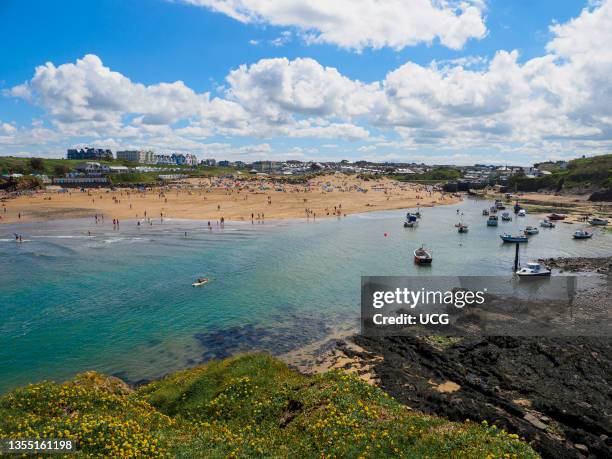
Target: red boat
556,217
422,257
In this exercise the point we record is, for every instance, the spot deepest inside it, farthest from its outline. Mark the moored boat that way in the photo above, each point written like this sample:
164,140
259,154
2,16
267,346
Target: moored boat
554,216
410,224
506,217
598,221
462,228
522,213
547,224
583,234
510,238
485,212
422,256
200,281
531,230
534,269
492,220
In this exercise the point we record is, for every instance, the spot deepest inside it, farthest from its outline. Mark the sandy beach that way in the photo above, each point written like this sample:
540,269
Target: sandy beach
231,199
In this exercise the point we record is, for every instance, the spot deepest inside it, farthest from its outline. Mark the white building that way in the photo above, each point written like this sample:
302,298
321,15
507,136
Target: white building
137,156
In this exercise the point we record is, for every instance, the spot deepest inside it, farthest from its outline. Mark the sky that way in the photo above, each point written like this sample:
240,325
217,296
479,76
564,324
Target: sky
435,81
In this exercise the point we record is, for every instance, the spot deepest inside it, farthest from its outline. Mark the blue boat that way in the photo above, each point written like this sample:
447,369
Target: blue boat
509,238
492,220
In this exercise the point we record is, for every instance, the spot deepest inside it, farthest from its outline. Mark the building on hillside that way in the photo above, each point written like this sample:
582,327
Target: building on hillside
268,167
224,163
137,156
209,162
91,169
96,154
164,159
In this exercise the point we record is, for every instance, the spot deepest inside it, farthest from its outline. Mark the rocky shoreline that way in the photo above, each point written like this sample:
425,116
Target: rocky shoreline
554,392
601,265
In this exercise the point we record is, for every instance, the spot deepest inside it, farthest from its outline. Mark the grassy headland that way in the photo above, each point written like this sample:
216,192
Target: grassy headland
248,406
594,173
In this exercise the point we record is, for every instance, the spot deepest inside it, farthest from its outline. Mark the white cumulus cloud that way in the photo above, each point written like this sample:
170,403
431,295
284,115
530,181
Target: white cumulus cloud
357,24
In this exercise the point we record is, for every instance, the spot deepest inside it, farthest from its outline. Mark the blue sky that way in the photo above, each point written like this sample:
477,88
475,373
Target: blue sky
448,114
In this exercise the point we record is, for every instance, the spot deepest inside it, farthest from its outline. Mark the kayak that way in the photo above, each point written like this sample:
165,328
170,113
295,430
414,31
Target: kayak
200,282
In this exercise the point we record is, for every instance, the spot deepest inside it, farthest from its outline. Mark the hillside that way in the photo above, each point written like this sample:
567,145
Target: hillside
242,407
583,174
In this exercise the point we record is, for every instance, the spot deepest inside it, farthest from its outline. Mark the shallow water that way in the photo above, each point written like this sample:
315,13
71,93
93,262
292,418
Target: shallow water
121,302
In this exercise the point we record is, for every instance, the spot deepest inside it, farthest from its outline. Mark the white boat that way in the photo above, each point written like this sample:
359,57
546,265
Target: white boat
200,281
598,221
531,230
547,224
533,269
506,217
510,238
583,234
522,213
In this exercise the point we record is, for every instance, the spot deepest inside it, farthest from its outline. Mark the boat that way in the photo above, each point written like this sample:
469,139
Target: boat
492,220
547,224
499,204
517,207
462,228
411,217
200,281
410,224
506,217
534,269
510,238
531,230
522,213
485,212
598,221
553,217
583,234
422,257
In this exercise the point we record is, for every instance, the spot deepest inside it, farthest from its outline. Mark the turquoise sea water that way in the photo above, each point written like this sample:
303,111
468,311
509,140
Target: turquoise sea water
121,302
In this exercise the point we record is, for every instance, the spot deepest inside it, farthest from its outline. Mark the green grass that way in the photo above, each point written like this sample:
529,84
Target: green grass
440,174
248,406
48,166
586,173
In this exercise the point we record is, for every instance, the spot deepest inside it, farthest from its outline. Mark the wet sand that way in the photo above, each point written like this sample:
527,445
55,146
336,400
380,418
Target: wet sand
213,199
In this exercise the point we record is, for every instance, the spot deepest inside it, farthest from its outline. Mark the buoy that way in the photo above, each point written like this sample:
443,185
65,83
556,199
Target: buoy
386,234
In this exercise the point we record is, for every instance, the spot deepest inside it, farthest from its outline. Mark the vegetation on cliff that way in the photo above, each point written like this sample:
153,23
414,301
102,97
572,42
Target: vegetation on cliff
594,173
248,406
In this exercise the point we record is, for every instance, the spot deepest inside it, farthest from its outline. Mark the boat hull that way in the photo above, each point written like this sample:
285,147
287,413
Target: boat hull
540,274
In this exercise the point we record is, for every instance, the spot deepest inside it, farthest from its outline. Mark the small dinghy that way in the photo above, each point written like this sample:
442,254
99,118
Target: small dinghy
506,217
583,234
522,213
510,238
531,230
422,257
410,224
534,269
200,281
485,212
552,217
492,220
547,224
462,228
